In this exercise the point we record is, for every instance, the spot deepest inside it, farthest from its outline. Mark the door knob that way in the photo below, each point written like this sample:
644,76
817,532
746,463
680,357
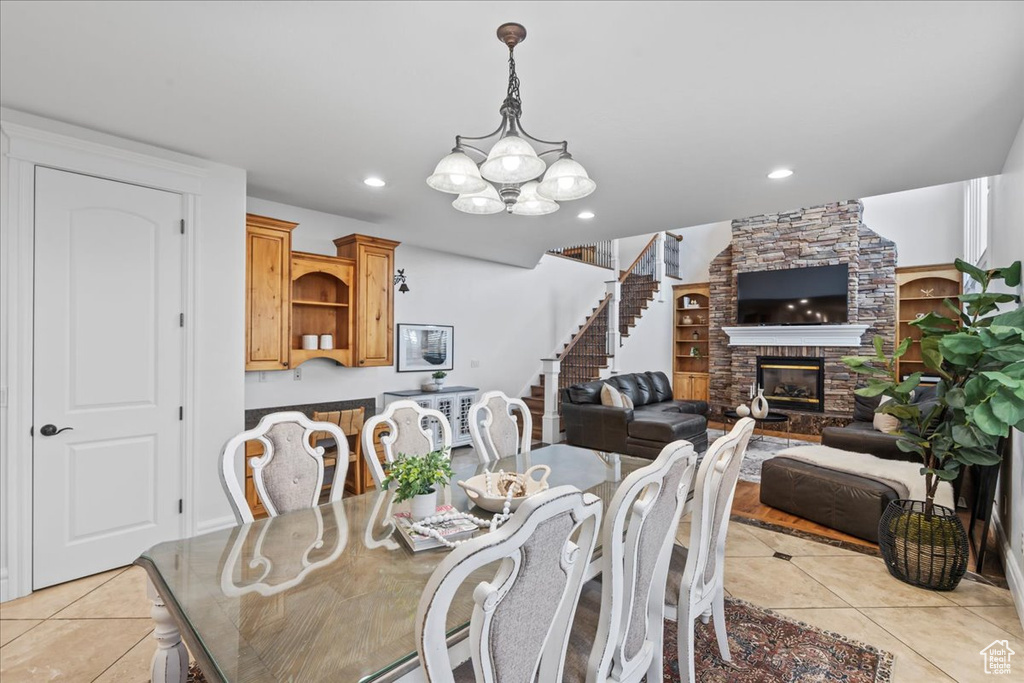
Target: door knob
51,430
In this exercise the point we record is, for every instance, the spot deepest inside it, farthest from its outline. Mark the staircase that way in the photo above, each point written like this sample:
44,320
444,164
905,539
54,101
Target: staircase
586,354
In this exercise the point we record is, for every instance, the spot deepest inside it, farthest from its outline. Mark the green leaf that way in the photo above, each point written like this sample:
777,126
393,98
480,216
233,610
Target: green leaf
1014,318
1002,379
872,390
930,353
975,273
909,384
971,436
878,342
987,420
1008,405
909,447
1010,274
948,475
934,323
978,456
1015,370
955,398
902,348
961,343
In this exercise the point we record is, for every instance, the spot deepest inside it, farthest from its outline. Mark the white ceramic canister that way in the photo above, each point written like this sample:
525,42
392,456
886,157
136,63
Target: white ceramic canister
309,342
327,341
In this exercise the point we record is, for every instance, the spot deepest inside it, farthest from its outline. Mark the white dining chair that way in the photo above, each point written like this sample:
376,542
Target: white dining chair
406,434
290,473
495,429
618,631
521,618
697,574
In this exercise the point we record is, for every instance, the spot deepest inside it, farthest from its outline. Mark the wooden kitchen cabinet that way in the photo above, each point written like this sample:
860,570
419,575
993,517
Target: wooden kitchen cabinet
374,259
268,246
690,386
321,303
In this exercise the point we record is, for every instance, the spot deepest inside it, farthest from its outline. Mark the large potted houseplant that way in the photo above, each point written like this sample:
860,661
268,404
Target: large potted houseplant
977,354
417,478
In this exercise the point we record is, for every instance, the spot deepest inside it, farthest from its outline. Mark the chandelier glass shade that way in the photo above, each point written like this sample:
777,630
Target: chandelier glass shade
484,202
512,175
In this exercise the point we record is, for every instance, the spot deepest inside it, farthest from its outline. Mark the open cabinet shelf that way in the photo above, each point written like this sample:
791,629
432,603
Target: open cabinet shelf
321,300
690,377
921,290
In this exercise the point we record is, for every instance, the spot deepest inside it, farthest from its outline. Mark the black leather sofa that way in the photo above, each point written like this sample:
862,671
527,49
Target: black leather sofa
860,436
655,420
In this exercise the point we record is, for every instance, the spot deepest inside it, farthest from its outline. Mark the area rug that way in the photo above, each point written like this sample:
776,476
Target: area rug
757,452
769,647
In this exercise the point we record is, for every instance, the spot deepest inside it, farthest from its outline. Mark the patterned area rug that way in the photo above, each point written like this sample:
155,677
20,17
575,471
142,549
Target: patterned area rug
770,647
757,452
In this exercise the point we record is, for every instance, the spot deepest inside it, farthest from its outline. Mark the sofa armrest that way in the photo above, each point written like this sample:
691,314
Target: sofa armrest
877,444
592,425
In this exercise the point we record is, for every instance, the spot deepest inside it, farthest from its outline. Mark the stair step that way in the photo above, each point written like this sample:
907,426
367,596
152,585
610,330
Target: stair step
534,403
536,391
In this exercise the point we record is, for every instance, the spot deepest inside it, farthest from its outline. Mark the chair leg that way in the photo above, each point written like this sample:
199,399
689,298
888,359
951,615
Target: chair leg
718,609
684,637
705,617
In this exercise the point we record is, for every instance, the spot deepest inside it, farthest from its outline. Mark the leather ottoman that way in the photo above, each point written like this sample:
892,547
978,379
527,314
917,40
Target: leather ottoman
839,500
649,431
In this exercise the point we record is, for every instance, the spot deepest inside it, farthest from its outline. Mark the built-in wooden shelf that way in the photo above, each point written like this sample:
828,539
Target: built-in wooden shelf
318,303
944,282
690,378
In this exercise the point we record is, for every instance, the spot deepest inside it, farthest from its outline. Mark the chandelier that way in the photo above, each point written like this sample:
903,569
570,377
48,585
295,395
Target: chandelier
509,176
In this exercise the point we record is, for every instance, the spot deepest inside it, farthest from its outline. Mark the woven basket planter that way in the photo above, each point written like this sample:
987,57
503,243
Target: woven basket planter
926,550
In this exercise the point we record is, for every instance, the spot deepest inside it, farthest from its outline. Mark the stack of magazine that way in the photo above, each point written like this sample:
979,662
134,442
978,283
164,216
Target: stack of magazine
453,530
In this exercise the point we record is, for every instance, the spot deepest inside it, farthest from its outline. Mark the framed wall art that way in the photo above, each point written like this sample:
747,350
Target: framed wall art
425,348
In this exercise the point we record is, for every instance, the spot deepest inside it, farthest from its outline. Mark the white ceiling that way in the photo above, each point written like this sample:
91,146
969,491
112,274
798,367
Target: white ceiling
678,110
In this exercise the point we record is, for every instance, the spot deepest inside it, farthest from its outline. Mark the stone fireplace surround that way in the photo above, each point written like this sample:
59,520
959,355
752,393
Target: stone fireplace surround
829,234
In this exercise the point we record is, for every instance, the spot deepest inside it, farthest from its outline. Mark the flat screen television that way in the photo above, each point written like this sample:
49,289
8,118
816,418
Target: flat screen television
796,296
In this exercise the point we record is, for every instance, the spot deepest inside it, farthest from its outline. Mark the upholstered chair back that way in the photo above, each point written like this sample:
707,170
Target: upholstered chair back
496,430
406,434
520,624
290,473
636,544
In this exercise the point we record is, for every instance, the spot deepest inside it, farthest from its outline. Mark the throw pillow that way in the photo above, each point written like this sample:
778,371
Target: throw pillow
627,402
886,424
610,396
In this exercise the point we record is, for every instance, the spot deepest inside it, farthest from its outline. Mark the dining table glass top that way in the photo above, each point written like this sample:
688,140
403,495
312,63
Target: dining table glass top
330,593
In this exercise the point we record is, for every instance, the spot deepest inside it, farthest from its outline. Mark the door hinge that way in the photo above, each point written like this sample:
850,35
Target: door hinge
181,412
182,226
181,320
181,506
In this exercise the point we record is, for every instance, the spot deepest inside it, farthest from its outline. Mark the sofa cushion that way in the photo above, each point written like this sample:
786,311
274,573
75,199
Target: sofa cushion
643,383
662,389
628,386
589,392
864,407
665,427
610,396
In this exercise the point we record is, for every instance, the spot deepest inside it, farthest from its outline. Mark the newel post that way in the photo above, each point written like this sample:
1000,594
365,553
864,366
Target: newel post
659,264
614,338
550,426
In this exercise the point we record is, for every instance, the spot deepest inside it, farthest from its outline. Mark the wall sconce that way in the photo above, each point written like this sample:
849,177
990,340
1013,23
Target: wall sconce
400,279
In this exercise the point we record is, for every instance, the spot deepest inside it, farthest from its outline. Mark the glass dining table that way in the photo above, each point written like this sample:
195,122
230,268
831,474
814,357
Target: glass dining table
328,593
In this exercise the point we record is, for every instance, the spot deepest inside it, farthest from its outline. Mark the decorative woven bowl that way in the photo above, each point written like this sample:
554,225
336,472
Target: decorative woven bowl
491,500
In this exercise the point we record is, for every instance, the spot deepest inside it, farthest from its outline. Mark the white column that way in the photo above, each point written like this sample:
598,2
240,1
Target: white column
170,661
614,294
659,264
550,425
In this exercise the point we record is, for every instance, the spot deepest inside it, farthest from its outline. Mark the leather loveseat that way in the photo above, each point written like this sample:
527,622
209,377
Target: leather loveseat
654,421
860,436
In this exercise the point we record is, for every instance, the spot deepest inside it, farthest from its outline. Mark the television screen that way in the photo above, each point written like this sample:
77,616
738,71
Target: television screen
797,296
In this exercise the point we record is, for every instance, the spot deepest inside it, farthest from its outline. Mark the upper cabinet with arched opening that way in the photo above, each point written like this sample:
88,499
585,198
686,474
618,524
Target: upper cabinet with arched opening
322,288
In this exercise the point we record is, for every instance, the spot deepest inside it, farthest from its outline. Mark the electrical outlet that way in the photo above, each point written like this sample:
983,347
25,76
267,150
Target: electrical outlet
262,377
297,374
474,363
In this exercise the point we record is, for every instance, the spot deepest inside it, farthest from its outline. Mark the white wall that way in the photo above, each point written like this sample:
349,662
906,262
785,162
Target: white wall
506,318
1006,244
700,245
926,224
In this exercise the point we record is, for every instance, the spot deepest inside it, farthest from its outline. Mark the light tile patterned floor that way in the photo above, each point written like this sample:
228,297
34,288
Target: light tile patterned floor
98,628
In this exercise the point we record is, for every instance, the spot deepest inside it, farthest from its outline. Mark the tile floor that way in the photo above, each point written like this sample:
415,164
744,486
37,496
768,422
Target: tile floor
98,628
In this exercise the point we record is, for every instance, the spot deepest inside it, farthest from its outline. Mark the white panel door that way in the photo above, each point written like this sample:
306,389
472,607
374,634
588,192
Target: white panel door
107,373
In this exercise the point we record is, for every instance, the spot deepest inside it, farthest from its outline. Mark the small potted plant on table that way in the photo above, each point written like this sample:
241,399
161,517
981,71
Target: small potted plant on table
417,478
439,378
978,358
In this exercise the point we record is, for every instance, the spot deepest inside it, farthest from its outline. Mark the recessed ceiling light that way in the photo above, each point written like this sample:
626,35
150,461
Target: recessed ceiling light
790,306
780,173
803,301
585,215
374,181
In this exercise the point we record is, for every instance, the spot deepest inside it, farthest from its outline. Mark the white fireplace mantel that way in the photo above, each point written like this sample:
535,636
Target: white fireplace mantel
796,335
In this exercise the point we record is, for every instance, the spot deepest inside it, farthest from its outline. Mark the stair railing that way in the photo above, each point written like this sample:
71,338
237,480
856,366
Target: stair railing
595,253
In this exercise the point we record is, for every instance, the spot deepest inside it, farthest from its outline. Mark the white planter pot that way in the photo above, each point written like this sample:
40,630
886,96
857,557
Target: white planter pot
439,383
423,505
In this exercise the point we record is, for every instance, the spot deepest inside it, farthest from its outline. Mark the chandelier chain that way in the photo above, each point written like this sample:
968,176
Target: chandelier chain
512,101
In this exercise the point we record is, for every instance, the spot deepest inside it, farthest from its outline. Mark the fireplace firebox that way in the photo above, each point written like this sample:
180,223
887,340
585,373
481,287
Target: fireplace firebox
792,383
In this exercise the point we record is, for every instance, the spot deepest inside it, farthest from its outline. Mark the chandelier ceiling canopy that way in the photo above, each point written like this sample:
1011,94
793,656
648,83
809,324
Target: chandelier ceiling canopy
509,176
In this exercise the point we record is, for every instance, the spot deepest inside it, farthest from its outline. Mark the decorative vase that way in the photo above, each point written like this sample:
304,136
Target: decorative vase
742,410
687,320
926,550
423,505
759,406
